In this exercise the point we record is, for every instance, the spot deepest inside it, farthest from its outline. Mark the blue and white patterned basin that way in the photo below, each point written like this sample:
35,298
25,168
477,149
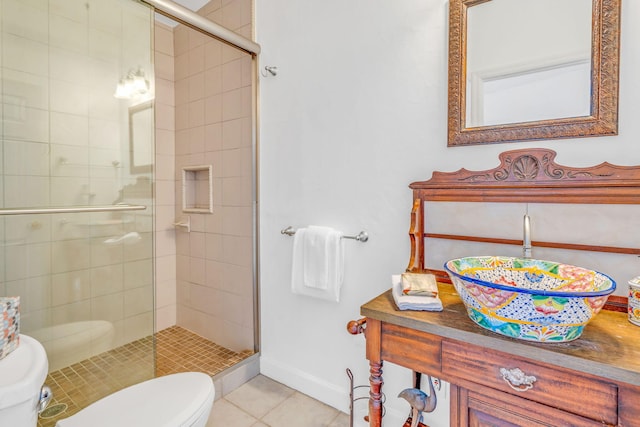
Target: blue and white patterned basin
527,298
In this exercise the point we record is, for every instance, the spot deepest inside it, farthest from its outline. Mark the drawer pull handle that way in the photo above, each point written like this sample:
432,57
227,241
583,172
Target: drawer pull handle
517,379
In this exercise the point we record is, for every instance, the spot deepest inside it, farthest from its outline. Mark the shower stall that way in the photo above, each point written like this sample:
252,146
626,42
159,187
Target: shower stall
127,189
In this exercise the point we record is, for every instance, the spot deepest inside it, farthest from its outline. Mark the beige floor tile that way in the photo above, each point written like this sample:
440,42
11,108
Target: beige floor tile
300,411
259,396
259,424
225,414
342,420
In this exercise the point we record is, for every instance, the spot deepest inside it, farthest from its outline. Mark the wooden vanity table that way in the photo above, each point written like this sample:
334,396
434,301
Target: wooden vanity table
592,381
496,380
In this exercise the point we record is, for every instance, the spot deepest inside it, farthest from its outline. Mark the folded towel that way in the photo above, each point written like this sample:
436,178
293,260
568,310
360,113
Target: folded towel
318,263
413,302
9,325
419,284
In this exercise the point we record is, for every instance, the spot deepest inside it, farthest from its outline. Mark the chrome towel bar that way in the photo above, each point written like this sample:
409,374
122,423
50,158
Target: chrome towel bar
70,209
362,236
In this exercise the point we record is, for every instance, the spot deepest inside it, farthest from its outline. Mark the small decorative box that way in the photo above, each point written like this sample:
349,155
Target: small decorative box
634,300
9,325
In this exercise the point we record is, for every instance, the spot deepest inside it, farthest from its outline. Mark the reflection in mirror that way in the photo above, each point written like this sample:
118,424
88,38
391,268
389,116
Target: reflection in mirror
141,137
528,60
532,69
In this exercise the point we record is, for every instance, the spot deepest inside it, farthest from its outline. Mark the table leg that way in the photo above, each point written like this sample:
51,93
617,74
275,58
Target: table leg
375,394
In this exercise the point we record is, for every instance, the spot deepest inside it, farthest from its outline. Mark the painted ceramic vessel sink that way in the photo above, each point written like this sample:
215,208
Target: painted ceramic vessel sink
529,299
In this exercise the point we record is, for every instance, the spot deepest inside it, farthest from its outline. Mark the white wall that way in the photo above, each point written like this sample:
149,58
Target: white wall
357,112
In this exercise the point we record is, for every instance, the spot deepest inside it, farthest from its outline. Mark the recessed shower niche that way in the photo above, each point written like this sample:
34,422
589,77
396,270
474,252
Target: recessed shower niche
197,189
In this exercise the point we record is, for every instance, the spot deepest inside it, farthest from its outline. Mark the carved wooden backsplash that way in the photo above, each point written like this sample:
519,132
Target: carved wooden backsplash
523,176
532,175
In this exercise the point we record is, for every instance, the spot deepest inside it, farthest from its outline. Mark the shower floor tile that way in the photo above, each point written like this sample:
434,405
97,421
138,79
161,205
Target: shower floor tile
177,350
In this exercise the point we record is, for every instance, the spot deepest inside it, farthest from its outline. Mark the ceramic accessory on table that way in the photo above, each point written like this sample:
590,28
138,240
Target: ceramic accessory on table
9,325
529,299
634,301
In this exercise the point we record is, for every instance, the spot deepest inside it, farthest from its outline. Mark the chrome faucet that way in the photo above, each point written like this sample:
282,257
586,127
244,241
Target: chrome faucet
526,240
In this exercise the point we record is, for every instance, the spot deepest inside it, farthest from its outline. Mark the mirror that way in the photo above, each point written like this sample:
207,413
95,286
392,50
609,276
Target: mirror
532,69
141,138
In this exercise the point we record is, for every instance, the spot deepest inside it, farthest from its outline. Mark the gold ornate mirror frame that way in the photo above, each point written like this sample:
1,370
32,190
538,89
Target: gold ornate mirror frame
603,119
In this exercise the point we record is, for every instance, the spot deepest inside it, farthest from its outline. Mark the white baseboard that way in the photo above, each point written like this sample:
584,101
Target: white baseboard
328,393
318,388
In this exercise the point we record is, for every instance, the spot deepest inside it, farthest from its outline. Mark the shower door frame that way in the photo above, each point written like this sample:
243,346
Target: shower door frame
199,23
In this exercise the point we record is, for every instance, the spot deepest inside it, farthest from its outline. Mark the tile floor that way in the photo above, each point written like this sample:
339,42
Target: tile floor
180,350
177,350
263,402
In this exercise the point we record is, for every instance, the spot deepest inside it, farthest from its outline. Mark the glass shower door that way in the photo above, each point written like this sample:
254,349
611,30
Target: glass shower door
76,180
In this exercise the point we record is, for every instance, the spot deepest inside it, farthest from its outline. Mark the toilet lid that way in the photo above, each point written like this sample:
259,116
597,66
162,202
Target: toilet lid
172,401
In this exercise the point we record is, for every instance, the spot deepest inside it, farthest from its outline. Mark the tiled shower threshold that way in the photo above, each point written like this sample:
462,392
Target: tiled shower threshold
177,350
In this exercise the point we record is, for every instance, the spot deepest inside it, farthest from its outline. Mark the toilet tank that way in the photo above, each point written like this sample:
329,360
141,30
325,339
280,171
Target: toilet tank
22,374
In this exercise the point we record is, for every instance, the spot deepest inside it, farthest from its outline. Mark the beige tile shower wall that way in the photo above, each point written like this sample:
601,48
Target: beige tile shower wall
165,178
213,127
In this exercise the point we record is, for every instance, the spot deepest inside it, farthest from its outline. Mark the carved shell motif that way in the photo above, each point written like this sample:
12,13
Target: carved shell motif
525,168
538,166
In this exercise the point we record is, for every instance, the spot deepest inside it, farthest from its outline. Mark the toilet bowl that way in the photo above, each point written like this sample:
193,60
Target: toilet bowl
178,400
69,343
22,374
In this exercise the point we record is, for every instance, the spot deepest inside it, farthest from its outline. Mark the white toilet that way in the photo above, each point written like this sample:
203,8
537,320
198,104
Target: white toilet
178,400
69,343
22,374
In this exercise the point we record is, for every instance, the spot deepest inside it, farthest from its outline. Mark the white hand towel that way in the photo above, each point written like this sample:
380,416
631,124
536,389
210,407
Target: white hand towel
318,263
413,302
317,242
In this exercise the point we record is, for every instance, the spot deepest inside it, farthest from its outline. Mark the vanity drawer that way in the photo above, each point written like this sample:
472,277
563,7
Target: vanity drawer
556,387
412,349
